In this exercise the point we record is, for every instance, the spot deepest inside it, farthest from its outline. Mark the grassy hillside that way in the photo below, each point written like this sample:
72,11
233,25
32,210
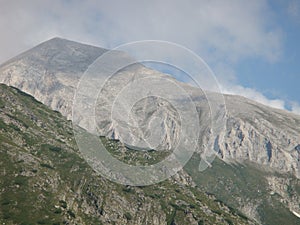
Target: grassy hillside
245,186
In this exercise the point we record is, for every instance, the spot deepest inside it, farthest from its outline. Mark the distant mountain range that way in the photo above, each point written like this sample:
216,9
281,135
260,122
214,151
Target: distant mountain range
265,140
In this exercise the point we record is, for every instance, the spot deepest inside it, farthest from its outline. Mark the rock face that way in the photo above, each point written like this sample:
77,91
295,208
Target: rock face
260,134
51,72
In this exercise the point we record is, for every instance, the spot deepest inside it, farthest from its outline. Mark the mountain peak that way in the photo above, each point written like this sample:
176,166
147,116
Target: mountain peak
59,41
58,55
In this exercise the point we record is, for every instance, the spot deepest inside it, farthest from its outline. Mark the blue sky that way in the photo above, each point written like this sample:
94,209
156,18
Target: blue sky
280,79
252,46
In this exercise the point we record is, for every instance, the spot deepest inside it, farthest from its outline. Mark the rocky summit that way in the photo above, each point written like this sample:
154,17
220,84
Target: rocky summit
256,170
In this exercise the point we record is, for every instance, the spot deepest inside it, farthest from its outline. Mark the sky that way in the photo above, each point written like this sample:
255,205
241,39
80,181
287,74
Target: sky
252,46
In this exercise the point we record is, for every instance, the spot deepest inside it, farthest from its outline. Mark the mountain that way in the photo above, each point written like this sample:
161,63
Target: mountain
44,180
259,145
51,72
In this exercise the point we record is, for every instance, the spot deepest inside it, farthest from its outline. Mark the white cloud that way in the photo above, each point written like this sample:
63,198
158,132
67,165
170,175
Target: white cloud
232,29
293,9
228,85
226,30
295,107
254,95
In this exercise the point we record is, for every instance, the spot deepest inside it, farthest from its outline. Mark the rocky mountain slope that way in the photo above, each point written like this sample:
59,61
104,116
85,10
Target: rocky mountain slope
44,180
51,71
260,193
259,145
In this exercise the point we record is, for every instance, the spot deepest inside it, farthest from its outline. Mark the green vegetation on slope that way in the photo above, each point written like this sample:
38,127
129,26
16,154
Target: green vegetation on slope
245,186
